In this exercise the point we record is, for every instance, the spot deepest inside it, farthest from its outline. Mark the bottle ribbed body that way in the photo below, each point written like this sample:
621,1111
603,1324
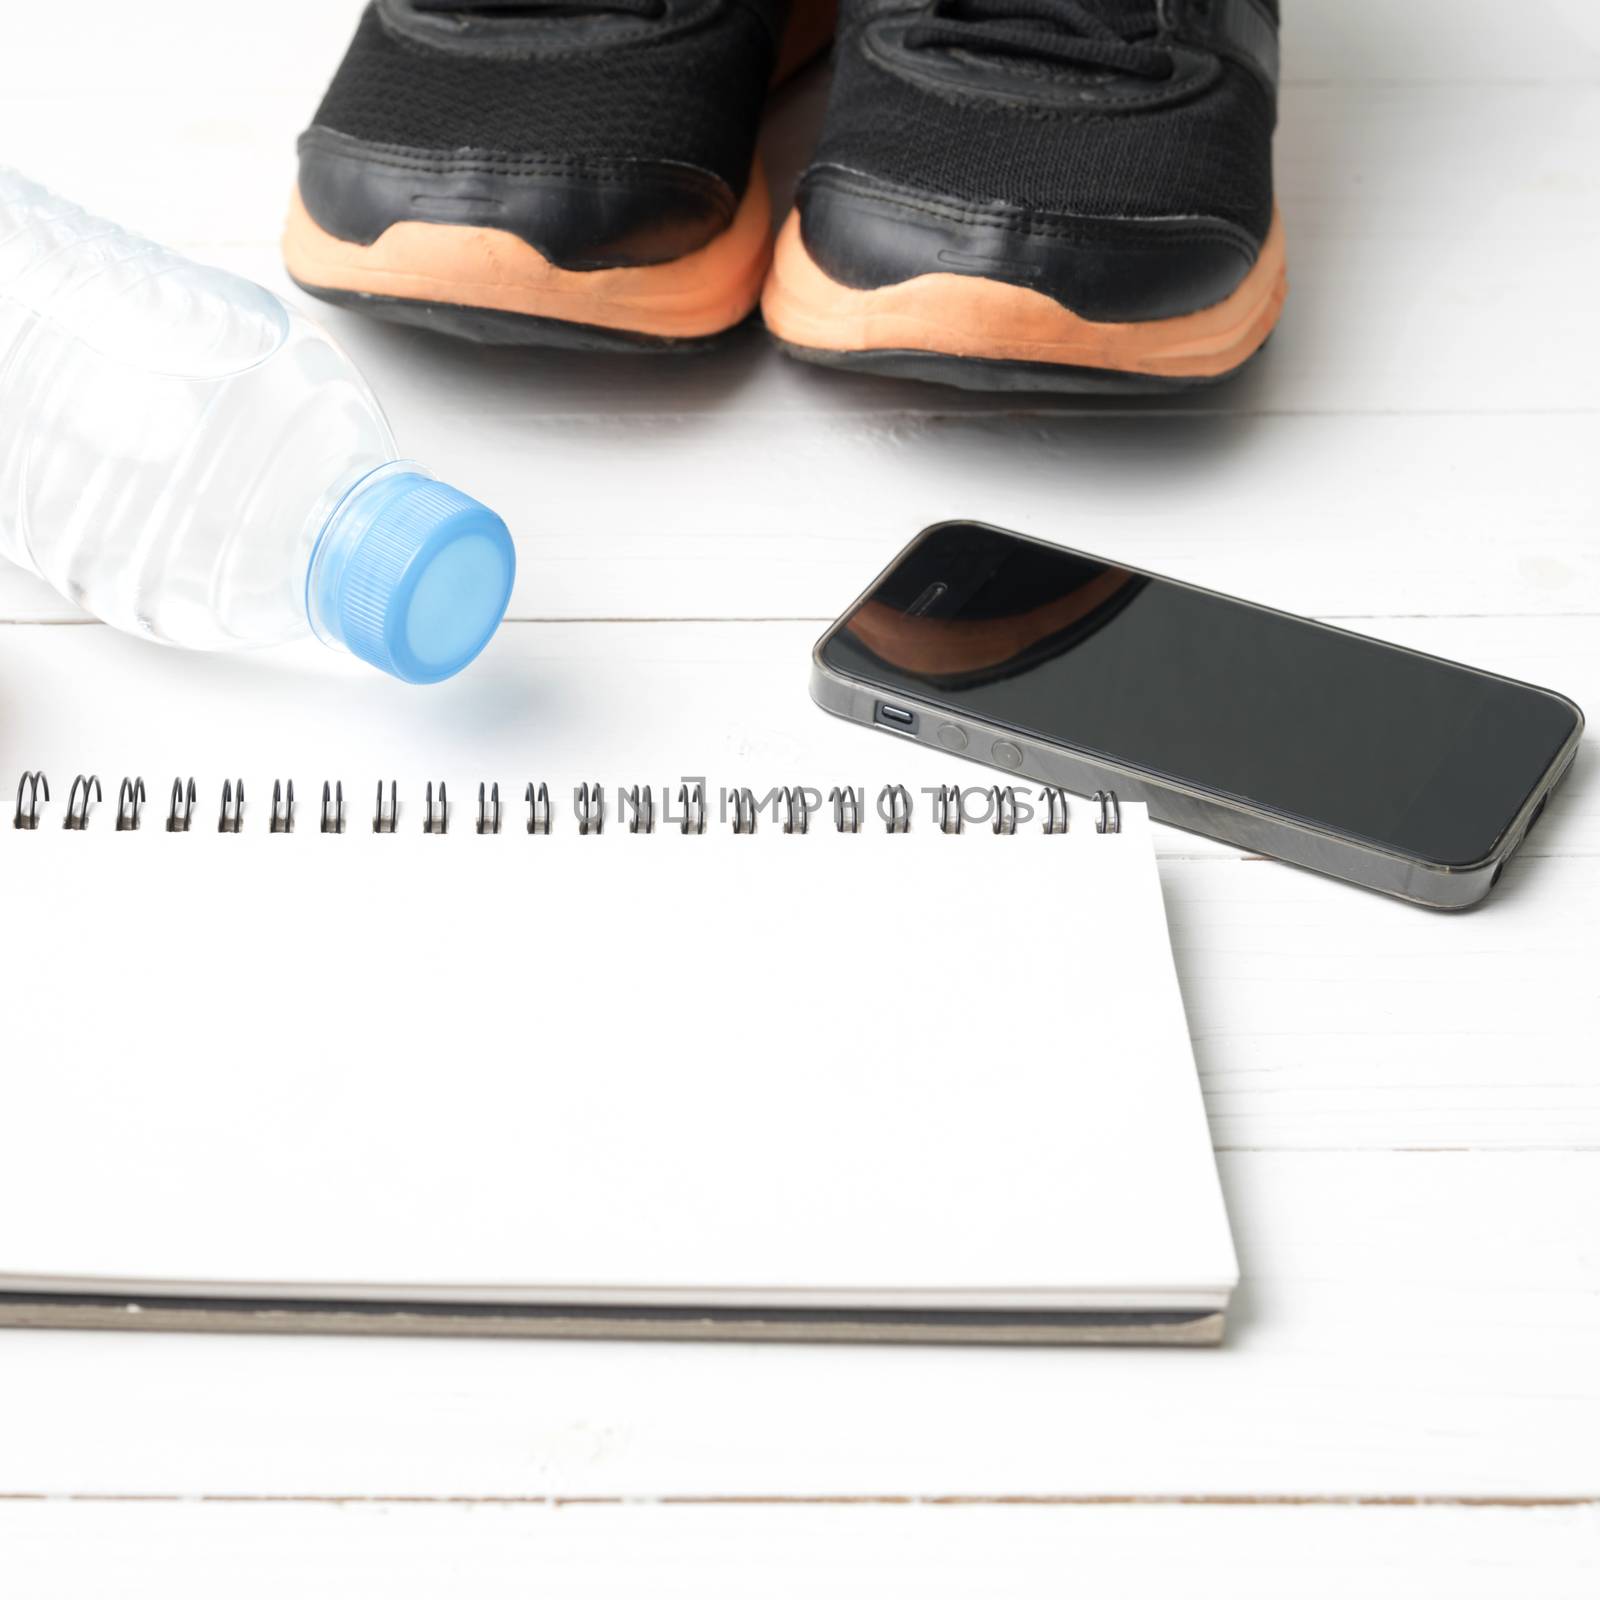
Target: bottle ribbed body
173,438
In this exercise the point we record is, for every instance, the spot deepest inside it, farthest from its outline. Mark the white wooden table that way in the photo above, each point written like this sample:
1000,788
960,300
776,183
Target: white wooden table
1406,1106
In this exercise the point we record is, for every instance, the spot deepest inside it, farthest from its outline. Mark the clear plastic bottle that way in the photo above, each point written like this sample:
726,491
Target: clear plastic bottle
189,458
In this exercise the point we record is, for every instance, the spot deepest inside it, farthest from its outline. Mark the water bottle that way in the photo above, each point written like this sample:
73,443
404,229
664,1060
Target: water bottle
191,459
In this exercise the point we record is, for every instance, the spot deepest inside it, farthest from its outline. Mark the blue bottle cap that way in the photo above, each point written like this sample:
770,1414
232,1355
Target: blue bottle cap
413,576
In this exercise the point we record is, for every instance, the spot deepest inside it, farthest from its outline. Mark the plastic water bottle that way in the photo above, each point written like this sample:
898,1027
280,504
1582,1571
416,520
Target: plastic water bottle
189,458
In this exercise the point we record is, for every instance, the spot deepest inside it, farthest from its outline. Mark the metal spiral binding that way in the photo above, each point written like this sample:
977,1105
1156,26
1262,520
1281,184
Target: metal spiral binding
130,797
1110,818
591,808
894,806
641,808
1003,802
332,818
489,810
36,787
182,795
793,806
693,802
77,817
796,812
847,807
386,821
282,818
231,817
436,820
538,808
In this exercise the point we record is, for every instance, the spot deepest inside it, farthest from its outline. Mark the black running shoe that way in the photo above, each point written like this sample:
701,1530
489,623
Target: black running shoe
1040,194
564,172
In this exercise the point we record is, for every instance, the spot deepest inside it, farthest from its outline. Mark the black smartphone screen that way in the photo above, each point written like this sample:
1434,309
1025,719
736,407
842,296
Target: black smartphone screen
1404,751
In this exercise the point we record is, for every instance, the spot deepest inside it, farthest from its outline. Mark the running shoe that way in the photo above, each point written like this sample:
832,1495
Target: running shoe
577,173
1040,194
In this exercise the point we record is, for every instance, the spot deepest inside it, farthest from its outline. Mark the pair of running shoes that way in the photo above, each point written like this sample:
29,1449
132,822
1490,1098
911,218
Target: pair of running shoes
1009,194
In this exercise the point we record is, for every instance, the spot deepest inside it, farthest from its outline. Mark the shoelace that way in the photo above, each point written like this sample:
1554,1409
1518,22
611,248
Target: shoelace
1067,31
541,8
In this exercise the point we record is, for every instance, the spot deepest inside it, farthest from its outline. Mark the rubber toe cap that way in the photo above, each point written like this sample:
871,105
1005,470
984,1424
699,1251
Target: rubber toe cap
577,214
866,234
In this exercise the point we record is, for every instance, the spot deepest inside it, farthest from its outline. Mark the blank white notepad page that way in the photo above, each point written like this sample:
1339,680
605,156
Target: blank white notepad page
769,1069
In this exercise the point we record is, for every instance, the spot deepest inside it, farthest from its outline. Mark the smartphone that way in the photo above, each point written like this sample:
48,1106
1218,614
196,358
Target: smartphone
1383,766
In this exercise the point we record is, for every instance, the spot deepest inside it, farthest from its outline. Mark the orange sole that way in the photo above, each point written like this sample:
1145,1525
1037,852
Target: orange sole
703,293
951,314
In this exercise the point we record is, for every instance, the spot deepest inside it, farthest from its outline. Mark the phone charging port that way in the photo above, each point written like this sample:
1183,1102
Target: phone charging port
897,717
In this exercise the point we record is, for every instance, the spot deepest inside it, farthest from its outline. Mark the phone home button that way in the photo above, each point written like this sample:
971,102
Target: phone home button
1006,754
951,737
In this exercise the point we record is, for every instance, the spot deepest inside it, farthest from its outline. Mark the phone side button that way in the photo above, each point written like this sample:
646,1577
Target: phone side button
1006,754
951,737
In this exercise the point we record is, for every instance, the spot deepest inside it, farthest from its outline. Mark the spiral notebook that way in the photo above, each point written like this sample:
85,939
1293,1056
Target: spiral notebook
681,1061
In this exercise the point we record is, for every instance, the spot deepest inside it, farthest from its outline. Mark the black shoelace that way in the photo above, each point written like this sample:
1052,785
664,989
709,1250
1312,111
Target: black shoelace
541,8
1066,31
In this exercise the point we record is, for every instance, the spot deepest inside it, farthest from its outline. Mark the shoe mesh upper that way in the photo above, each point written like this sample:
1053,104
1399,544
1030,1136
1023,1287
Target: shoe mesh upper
1207,156
693,98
